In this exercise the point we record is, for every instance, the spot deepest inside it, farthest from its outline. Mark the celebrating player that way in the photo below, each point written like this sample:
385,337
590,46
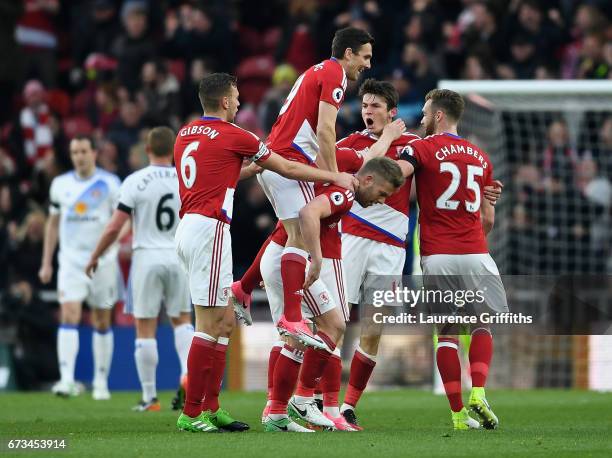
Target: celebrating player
208,155
373,238
450,176
82,202
149,198
305,132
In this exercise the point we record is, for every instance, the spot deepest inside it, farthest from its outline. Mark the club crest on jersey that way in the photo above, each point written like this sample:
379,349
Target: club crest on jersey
337,94
80,208
337,198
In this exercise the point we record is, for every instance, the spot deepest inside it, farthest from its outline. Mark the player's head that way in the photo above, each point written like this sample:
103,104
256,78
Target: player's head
378,179
218,94
442,109
83,154
378,104
353,48
160,142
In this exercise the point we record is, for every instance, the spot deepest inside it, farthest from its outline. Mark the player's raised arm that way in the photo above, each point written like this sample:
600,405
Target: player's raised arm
326,136
109,236
310,225
50,243
297,171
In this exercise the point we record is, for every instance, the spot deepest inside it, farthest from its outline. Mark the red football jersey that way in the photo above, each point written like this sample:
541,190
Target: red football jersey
388,222
293,135
450,174
208,154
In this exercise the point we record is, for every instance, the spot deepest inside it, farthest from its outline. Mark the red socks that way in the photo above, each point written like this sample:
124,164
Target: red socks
362,366
293,273
199,367
252,277
274,355
313,367
211,397
481,350
450,370
330,381
286,372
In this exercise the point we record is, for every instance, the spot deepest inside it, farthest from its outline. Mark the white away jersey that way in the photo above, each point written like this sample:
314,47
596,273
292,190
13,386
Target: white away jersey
84,206
151,195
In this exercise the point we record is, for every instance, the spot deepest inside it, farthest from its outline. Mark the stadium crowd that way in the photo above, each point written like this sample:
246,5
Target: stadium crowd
113,69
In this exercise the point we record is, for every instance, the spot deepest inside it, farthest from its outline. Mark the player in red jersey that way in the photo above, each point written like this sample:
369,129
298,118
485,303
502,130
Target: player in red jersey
451,174
305,132
325,298
208,155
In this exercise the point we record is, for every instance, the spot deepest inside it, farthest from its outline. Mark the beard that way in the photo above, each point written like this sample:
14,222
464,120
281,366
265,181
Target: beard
430,128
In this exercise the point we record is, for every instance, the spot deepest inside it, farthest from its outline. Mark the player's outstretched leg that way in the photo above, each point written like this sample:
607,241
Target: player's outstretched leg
272,360
481,350
447,360
362,367
146,357
242,289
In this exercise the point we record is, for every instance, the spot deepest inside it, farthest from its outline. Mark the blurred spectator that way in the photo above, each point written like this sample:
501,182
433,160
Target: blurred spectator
34,120
36,35
476,68
106,110
522,62
560,160
592,62
247,119
35,341
26,248
134,47
483,33
108,156
125,132
197,32
297,46
160,96
282,80
95,28
189,90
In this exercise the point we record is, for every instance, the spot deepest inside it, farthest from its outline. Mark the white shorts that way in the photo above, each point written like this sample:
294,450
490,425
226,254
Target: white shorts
204,247
370,265
287,196
101,291
155,277
467,272
324,294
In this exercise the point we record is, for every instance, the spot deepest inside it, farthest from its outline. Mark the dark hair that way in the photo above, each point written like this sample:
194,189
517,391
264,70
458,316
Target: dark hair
385,168
383,89
161,141
349,37
450,102
89,138
213,87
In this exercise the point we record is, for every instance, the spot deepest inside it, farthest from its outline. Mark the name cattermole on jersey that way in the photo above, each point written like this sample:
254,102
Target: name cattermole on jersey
412,297
151,176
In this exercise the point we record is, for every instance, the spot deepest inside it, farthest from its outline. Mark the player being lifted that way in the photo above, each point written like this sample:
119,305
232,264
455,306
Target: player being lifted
451,174
324,299
305,132
208,155
82,202
149,198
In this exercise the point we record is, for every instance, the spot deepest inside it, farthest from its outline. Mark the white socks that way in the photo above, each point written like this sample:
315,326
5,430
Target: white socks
67,350
183,335
146,363
102,344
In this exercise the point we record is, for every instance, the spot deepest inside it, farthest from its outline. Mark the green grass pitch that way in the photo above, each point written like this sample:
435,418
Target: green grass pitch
406,423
